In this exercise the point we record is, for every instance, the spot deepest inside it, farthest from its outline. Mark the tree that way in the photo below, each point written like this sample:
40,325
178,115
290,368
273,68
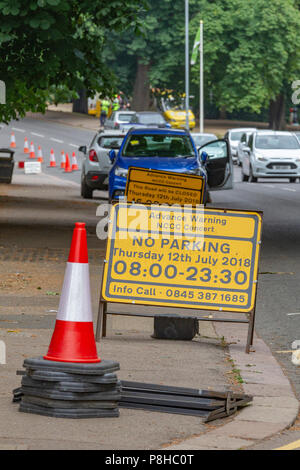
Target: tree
49,42
251,53
155,58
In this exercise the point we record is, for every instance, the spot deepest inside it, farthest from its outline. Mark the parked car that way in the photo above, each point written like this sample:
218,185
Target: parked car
271,154
234,137
169,150
96,164
241,145
297,134
118,118
202,138
147,118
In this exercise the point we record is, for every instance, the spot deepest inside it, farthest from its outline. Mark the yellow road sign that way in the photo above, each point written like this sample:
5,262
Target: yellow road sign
192,257
163,187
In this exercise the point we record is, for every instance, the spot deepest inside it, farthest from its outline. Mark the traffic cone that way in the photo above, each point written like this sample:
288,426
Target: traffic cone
73,338
40,154
74,162
12,141
68,168
32,152
26,147
63,160
52,159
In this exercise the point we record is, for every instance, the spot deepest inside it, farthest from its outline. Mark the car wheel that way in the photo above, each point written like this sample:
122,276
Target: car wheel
252,179
244,177
293,180
86,191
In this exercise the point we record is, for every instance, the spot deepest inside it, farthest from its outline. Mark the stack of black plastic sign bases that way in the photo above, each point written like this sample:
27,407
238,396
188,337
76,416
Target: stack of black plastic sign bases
69,390
207,404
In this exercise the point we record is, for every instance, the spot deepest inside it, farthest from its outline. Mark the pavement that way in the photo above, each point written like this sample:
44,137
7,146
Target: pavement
33,250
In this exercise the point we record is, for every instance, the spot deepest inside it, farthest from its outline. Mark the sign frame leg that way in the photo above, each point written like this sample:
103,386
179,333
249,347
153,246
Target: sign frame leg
101,320
250,332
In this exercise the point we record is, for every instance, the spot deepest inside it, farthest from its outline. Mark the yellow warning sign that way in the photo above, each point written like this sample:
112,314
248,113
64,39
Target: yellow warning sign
163,187
197,258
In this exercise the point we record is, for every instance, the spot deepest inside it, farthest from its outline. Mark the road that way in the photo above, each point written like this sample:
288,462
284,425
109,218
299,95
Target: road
48,135
278,302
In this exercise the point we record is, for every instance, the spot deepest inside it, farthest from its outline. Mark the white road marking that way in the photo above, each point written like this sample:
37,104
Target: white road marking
56,140
17,129
38,135
289,189
269,186
73,145
62,180
292,314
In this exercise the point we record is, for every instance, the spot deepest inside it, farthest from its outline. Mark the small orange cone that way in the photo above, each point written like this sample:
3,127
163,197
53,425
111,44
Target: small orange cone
68,168
12,141
74,162
40,155
62,160
32,152
73,338
52,159
26,146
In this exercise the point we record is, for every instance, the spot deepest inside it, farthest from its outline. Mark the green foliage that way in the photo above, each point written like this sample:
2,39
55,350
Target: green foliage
251,51
161,46
49,42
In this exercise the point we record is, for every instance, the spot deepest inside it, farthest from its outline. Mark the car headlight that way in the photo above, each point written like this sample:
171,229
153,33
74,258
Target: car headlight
193,171
260,158
122,172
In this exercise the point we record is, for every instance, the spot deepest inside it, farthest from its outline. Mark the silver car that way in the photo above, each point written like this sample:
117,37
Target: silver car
241,145
96,164
118,118
234,137
271,154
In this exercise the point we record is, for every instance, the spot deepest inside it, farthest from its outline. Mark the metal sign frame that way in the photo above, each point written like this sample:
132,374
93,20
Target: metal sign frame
171,174
103,311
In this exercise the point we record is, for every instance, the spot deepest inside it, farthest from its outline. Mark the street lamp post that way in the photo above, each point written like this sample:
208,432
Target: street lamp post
187,91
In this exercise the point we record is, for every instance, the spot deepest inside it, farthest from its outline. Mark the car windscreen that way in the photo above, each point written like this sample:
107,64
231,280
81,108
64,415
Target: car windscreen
280,142
124,117
151,119
110,142
236,135
203,139
158,145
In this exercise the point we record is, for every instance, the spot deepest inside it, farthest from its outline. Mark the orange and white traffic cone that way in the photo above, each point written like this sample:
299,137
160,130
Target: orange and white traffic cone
40,154
62,160
73,338
68,168
32,152
74,162
52,159
12,141
26,146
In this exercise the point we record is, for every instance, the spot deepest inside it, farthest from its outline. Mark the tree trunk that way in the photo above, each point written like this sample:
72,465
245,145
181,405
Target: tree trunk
141,90
222,113
81,104
277,113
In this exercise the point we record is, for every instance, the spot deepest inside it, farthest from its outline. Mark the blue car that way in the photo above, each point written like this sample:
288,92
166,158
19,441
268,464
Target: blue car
169,150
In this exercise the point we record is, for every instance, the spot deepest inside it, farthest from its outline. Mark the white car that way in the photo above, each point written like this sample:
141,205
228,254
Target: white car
271,154
118,118
202,138
234,137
